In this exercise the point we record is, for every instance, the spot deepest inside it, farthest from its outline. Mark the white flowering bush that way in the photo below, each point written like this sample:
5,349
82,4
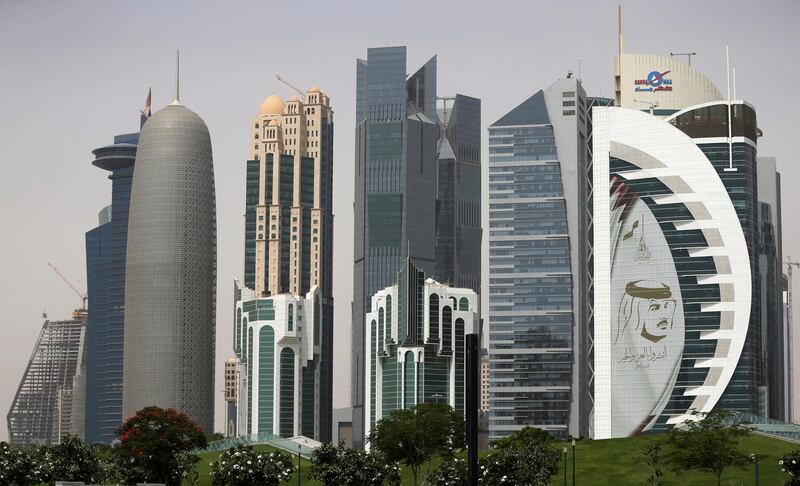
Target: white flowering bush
534,465
451,472
70,460
340,466
16,466
243,466
790,464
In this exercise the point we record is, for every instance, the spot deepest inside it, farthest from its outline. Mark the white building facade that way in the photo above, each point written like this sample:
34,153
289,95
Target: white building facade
671,277
279,385
415,339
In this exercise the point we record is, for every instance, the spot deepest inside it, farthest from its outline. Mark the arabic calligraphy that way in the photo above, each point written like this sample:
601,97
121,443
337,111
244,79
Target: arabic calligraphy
644,356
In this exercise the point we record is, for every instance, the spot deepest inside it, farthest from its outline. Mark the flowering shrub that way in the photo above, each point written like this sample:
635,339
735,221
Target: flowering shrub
790,464
340,466
242,466
16,466
71,460
451,472
150,443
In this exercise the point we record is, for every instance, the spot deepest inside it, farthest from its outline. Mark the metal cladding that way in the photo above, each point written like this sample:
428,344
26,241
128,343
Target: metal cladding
170,286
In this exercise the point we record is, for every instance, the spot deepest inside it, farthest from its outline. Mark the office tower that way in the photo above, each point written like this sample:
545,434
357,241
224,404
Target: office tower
770,265
280,340
671,267
41,408
105,270
537,244
288,257
736,165
416,344
485,382
665,85
458,193
231,396
395,188
170,269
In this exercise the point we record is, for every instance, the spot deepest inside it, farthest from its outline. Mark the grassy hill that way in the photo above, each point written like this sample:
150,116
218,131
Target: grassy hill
614,463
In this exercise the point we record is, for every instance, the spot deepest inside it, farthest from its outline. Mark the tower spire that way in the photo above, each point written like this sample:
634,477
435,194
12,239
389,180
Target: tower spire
177,100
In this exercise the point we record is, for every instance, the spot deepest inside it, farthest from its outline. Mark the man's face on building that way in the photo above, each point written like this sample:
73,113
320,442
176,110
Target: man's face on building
655,317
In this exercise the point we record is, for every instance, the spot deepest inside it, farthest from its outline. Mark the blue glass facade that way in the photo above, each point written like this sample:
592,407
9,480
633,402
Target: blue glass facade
105,269
536,153
708,122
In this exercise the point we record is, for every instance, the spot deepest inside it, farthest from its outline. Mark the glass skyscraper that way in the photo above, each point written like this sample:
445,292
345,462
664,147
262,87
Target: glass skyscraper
537,264
105,271
395,187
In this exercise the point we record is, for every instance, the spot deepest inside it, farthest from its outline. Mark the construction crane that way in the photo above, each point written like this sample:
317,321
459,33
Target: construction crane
82,295
287,83
794,413
444,111
687,54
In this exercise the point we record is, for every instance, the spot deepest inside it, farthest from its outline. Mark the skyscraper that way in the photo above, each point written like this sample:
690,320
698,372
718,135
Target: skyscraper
672,267
43,401
458,194
537,264
736,164
770,264
416,344
288,262
105,270
395,188
231,396
170,281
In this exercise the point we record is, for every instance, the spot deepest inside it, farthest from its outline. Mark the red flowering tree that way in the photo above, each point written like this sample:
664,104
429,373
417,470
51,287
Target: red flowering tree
152,446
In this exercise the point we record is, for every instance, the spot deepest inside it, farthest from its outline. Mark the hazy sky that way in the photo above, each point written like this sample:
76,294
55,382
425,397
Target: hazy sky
74,74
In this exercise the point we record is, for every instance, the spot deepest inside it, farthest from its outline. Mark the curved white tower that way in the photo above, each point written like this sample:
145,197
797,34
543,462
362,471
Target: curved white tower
170,286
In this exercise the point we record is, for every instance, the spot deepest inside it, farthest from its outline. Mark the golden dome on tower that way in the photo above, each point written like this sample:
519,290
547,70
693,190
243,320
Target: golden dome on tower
273,105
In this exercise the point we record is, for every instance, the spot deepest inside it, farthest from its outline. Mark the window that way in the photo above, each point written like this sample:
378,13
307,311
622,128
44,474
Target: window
568,113
568,103
568,94
290,326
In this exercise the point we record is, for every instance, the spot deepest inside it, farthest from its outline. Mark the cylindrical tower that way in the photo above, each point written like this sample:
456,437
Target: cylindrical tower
170,286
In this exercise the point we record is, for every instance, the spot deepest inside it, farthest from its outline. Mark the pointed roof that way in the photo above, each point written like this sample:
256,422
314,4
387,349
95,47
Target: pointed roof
532,111
445,150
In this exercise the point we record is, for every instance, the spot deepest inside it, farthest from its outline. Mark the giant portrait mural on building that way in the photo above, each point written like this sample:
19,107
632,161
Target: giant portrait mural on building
646,315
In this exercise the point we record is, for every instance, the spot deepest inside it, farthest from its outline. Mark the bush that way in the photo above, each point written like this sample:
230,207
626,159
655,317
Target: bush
790,464
71,460
451,472
340,466
534,466
17,466
150,443
242,466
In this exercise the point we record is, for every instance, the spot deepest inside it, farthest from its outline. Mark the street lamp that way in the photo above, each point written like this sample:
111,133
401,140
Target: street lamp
573,461
755,458
298,464
436,397
565,465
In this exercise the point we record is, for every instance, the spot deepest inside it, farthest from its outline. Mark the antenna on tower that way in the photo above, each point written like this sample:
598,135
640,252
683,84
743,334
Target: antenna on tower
177,100
620,42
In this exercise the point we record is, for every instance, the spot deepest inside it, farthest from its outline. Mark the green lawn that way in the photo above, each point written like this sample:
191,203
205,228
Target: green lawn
612,463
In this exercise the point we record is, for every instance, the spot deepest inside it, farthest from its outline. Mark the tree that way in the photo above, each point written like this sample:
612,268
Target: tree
535,466
528,458
707,443
415,435
523,438
149,445
451,472
653,458
243,466
70,460
340,466
790,464
17,467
